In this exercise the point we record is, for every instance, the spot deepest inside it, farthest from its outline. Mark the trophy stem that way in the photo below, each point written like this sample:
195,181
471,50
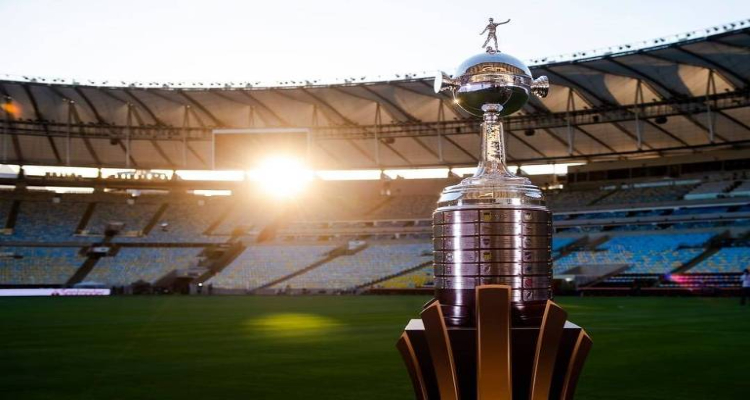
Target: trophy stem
493,143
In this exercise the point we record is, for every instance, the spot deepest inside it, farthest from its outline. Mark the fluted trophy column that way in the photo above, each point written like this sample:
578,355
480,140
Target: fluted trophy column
493,227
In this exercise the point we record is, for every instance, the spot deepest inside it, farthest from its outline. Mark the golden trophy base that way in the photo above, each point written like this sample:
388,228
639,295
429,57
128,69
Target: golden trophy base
494,360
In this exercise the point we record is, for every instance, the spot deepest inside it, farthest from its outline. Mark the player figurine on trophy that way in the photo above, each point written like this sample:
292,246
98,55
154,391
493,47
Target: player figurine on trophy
493,272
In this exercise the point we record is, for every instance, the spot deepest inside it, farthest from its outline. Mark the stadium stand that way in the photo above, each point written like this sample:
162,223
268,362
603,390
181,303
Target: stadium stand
396,227
259,265
42,220
132,264
560,199
728,259
654,253
709,190
423,277
743,189
349,271
646,194
38,265
173,227
135,216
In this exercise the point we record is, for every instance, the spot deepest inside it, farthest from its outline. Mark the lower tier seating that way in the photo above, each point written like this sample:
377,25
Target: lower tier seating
728,259
376,261
415,279
259,265
132,264
651,254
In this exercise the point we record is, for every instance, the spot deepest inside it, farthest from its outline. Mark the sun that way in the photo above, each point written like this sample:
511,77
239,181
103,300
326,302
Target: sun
281,177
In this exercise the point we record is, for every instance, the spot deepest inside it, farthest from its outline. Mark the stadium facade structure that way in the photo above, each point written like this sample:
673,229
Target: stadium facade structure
682,95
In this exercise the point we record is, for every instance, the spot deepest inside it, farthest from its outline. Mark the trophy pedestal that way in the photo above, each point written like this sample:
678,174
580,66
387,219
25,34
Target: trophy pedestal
463,341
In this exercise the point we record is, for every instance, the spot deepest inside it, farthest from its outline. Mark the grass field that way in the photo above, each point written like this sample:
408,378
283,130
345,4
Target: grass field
339,347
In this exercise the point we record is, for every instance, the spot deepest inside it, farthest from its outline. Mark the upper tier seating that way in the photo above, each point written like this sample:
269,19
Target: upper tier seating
406,207
259,265
187,221
243,217
646,194
38,265
602,215
135,216
559,199
727,259
654,254
560,242
700,210
5,206
45,221
742,190
709,190
148,264
376,261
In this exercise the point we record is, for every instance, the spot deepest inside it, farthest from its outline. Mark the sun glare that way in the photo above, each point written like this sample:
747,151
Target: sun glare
281,177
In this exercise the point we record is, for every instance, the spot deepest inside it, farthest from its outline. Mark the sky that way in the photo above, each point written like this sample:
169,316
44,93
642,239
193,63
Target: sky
273,41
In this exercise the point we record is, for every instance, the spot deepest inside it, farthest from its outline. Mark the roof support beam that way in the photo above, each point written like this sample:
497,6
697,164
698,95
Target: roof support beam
201,107
426,148
728,74
101,120
396,152
141,103
74,112
536,109
262,105
153,142
733,119
594,138
362,151
195,154
328,106
463,150
248,104
527,144
730,45
41,119
654,83
585,94
657,88
336,160
448,101
383,102
10,120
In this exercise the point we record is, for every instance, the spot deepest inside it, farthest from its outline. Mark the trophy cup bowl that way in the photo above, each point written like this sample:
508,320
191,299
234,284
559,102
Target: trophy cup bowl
492,78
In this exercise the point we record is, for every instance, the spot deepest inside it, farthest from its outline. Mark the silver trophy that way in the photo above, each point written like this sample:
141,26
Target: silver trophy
493,227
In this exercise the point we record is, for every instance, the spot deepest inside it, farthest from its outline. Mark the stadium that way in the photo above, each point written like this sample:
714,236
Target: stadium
292,275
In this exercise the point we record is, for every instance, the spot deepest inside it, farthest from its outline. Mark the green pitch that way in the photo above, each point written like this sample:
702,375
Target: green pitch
337,348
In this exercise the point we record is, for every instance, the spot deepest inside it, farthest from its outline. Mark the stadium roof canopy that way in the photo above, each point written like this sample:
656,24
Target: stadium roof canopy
673,96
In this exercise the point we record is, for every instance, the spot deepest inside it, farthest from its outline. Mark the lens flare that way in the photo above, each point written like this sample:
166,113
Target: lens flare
11,108
281,177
